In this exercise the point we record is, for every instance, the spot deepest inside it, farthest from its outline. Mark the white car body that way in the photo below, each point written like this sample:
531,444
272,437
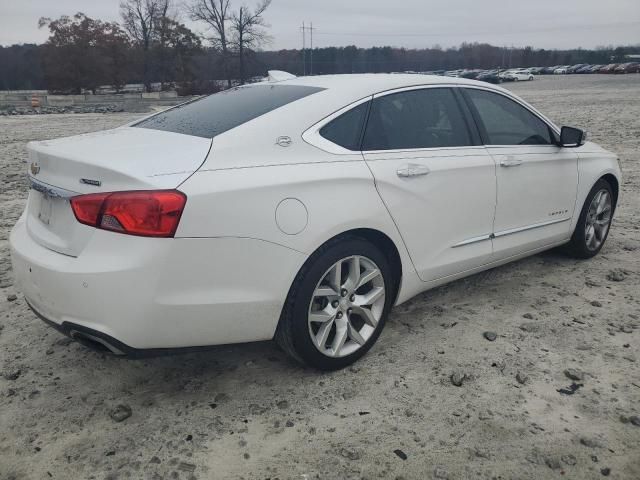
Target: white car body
560,71
265,195
517,75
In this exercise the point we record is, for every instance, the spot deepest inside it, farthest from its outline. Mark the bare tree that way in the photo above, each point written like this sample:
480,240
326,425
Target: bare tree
216,14
140,19
248,27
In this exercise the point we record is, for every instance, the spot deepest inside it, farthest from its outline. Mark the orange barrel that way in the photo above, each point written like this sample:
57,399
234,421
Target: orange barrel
35,101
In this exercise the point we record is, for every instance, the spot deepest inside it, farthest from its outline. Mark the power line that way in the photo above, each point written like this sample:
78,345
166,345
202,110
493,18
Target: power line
487,32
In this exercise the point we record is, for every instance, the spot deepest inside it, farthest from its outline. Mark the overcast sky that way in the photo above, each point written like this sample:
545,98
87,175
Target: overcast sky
407,23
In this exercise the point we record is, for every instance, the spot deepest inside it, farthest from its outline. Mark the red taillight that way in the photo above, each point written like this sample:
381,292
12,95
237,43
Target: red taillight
144,213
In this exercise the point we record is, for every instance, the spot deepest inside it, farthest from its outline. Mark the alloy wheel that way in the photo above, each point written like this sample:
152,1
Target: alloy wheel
598,220
346,306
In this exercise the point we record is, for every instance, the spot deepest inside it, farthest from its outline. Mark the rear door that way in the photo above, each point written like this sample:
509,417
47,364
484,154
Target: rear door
437,182
537,179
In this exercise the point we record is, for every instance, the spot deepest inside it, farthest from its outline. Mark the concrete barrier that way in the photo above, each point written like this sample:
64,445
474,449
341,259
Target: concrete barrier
23,99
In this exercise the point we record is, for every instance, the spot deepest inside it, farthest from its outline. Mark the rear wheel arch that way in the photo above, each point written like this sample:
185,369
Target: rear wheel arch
376,237
369,242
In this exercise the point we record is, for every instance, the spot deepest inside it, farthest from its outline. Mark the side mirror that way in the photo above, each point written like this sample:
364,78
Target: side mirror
572,137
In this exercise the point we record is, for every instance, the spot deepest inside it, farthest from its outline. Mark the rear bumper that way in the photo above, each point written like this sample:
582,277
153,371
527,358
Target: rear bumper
139,293
102,342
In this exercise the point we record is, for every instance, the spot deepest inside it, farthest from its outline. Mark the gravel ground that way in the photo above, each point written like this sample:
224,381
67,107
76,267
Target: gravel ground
246,411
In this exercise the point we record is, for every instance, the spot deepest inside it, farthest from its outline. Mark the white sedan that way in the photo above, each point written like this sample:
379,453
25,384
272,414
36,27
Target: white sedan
301,210
518,75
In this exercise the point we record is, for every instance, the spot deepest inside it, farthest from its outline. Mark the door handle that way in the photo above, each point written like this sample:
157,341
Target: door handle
510,162
413,170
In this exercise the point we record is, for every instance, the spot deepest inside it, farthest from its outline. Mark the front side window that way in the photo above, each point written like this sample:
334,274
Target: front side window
346,129
428,118
507,122
218,113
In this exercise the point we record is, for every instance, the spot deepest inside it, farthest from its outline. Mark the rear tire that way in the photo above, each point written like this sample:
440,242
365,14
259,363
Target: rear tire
594,222
327,321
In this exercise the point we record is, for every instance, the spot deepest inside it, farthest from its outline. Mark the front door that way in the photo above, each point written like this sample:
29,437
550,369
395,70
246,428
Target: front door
537,179
438,184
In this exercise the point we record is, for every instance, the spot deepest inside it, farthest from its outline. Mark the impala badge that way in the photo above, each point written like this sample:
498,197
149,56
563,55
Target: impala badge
88,181
35,168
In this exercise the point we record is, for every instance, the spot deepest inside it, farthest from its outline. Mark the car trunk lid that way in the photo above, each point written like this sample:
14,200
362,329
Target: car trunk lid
113,160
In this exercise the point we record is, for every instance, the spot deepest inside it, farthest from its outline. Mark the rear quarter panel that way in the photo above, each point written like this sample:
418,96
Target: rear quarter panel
242,202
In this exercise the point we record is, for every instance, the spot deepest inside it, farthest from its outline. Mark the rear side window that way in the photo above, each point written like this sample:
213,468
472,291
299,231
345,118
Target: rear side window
428,118
218,113
507,122
346,129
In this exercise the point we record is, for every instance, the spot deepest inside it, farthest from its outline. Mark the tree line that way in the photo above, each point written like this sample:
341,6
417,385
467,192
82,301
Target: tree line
152,47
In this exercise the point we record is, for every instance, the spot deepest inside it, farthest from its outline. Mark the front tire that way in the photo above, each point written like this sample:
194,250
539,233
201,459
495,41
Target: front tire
594,222
337,305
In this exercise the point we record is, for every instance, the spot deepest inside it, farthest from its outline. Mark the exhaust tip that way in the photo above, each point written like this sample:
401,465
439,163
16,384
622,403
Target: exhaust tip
94,343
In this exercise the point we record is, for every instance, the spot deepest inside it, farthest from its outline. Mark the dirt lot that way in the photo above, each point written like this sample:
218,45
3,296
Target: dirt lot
248,412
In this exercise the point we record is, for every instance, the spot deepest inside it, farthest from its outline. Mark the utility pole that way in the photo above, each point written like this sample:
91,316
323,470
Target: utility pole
304,49
304,29
311,54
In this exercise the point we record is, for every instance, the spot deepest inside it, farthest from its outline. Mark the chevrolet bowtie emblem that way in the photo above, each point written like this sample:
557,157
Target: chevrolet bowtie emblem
35,168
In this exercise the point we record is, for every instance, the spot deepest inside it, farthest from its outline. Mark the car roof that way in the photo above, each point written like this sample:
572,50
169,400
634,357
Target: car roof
366,84
342,90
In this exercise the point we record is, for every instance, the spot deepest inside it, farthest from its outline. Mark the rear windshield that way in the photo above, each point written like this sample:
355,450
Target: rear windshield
215,114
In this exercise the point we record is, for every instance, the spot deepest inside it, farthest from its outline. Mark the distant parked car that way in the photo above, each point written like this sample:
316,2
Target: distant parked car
631,67
634,68
471,74
560,71
550,70
609,68
583,69
575,68
590,69
490,76
536,70
517,75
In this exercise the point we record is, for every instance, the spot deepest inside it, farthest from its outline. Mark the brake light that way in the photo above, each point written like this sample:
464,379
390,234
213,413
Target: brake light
143,213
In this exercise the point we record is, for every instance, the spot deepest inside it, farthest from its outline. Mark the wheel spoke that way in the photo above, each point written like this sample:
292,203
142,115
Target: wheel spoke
335,277
355,335
602,202
366,315
367,277
323,334
339,339
354,273
590,235
321,316
325,291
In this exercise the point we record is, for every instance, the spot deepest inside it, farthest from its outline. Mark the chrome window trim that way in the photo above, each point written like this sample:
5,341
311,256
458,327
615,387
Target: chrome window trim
426,150
312,134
